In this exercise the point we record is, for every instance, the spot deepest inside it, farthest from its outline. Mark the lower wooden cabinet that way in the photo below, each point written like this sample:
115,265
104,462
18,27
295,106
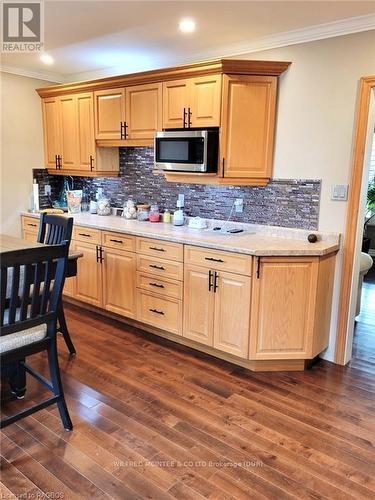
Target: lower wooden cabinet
119,282
88,286
30,228
217,309
285,320
162,312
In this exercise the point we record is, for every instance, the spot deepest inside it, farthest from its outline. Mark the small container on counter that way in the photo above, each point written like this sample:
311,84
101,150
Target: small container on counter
167,217
104,207
93,207
130,211
143,211
154,215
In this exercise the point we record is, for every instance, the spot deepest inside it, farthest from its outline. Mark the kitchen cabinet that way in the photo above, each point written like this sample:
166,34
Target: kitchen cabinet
248,123
51,126
30,228
193,102
109,113
291,300
119,281
69,140
217,309
88,286
143,111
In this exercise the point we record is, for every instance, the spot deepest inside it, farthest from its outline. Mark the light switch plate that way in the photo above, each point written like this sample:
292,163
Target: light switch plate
339,192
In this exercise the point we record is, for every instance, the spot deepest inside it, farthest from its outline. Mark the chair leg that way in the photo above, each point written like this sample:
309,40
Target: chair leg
64,330
57,385
17,379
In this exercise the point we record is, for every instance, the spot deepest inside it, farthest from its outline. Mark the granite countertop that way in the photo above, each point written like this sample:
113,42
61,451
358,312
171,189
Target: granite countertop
256,240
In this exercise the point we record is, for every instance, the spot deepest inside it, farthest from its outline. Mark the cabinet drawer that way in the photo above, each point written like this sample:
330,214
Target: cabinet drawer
160,267
88,234
30,224
118,240
217,259
157,248
164,313
165,287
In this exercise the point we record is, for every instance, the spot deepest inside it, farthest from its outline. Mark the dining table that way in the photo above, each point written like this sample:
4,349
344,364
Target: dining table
10,243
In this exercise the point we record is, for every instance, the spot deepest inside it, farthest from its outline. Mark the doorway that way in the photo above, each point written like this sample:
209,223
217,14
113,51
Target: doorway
353,237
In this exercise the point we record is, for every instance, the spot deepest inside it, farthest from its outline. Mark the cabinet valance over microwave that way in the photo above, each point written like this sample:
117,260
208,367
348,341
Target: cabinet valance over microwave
187,151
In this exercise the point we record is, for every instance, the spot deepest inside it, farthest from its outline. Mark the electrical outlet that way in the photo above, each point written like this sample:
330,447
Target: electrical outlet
238,203
339,192
47,190
181,199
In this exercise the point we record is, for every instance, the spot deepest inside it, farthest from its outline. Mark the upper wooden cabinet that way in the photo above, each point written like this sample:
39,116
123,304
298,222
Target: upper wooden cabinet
193,102
129,113
239,96
51,125
248,123
69,140
109,113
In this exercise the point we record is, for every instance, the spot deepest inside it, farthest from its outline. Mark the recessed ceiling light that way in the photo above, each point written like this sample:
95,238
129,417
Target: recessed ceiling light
187,25
47,59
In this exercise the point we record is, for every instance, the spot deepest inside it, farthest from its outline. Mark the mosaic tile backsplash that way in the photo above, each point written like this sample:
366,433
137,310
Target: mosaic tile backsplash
283,202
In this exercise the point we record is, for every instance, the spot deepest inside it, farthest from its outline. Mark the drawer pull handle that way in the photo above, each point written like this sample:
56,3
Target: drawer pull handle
157,285
157,249
157,267
117,241
85,234
156,311
214,260
32,225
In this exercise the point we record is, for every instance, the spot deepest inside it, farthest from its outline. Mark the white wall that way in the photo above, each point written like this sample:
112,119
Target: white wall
22,146
316,114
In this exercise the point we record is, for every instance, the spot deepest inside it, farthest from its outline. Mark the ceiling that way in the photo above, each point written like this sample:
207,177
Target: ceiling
91,39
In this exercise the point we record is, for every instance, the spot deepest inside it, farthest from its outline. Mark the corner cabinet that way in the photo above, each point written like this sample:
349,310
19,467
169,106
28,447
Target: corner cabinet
291,306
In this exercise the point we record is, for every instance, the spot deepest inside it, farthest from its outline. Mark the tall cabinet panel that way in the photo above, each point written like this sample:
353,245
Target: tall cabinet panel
69,132
109,113
205,101
143,111
248,122
51,123
175,103
85,124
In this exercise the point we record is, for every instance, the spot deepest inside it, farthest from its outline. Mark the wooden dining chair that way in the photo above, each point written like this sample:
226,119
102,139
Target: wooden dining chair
53,229
28,321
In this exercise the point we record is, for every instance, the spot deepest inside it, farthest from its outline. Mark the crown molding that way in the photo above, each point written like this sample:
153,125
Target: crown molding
38,75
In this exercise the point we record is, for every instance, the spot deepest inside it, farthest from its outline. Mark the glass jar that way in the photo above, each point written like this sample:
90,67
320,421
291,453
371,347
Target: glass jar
104,207
154,215
143,212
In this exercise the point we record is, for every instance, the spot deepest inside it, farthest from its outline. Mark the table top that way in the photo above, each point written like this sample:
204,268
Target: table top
12,243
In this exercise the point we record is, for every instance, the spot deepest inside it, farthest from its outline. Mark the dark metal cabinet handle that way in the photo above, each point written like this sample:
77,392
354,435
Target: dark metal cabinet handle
214,260
59,161
258,268
189,116
97,253
157,249
210,276
56,162
32,225
101,251
117,241
223,163
122,130
157,267
184,118
85,235
216,281
126,130
91,161
156,311
158,285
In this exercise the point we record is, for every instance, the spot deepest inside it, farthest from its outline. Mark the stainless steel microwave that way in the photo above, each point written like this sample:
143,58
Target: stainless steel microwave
187,150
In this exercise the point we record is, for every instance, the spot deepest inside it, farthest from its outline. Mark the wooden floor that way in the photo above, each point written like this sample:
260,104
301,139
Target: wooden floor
152,420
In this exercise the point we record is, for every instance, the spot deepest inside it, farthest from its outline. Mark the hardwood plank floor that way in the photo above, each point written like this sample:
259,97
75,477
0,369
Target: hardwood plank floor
156,420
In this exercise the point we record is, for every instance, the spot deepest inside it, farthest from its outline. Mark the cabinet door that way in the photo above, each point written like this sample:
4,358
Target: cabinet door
282,310
89,275
205,101
119,278
248,121
109,113
143,111
232,314
51,125
199,305
175,100
85,137
69,132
